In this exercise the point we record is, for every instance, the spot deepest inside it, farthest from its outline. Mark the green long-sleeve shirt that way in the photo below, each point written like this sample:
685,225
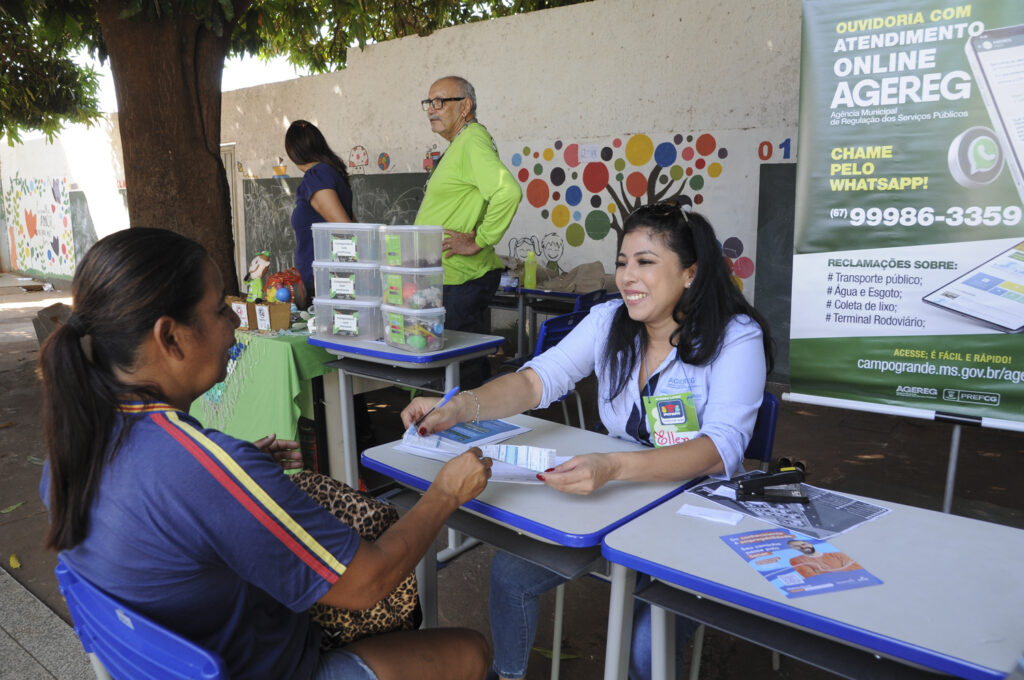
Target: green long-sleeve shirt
471,189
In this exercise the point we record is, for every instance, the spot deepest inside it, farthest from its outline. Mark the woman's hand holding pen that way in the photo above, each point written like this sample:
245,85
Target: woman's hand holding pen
442,418
581,474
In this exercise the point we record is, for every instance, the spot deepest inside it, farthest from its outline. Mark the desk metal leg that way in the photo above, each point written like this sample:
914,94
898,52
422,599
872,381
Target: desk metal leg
533,331
457,543
426,581
620,622
521,334
663,644
346,469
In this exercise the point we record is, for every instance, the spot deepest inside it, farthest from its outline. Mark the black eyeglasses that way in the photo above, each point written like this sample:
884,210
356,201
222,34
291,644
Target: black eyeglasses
437,103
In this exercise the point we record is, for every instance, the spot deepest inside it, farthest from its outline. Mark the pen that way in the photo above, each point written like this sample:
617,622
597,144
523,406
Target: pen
444,400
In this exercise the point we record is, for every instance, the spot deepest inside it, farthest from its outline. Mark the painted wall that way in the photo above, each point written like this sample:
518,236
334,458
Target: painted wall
59,198
596,108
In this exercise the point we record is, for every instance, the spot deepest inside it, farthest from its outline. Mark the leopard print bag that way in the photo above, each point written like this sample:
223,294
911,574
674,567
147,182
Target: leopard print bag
370,517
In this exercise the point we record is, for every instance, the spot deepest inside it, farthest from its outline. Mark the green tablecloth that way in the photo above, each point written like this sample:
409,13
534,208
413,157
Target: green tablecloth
268,387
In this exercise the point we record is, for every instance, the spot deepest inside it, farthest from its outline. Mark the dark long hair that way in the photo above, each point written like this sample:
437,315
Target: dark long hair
304,143
124,283
704,309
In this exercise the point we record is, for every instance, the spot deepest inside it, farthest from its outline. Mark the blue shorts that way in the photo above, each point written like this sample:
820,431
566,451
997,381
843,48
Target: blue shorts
341,664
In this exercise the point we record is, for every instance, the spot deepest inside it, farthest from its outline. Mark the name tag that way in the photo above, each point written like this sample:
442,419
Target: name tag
671,418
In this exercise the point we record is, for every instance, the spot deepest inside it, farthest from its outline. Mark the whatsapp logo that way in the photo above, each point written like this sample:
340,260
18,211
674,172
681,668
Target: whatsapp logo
982,154
975,158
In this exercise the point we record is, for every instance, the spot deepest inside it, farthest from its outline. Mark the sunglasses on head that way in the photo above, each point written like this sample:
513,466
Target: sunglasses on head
668,207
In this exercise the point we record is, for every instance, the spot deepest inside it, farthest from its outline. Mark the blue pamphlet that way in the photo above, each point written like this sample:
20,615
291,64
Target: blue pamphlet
462,436
799,565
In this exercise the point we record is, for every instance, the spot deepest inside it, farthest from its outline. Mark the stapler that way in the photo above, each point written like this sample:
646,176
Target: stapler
782,486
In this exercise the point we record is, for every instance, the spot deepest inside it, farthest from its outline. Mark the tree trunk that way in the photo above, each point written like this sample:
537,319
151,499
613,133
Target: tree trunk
167,76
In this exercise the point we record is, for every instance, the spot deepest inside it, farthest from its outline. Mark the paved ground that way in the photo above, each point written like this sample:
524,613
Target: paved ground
894,459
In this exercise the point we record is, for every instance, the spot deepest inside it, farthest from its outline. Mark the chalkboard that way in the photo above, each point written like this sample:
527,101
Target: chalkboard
775,212
267,208
268,205
387,199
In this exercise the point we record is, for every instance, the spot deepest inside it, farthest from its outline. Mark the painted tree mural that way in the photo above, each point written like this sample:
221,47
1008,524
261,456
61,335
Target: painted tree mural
587,190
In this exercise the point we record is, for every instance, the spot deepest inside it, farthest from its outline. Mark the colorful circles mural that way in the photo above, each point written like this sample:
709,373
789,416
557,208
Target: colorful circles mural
585,190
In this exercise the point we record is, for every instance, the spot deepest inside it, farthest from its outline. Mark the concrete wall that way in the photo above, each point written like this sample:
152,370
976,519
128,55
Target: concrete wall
619,99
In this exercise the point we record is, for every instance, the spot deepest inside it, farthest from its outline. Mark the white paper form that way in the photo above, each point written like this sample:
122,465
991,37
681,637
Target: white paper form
500,471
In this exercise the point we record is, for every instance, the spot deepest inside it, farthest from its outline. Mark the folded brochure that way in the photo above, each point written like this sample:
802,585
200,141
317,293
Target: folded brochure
512,463
799,565
462,436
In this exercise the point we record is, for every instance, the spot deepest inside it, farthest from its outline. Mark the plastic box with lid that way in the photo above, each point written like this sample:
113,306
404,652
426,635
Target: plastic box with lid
414,330
346,242
351,319
411,245
412,287
347,280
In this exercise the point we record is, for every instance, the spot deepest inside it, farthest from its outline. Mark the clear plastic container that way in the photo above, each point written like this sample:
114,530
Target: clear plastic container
412,287
415,330
352,319
411,245
346,242
347,280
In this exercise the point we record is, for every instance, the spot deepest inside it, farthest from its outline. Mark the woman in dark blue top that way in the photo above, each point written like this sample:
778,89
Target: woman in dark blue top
323,196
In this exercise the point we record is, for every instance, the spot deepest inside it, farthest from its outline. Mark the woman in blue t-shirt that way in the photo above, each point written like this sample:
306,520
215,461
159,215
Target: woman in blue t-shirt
323,196
195,529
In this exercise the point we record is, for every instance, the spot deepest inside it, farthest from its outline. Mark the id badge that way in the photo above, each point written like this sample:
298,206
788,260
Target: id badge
671,418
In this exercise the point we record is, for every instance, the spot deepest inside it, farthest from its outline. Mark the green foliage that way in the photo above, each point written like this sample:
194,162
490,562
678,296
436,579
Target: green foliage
42,88
317,34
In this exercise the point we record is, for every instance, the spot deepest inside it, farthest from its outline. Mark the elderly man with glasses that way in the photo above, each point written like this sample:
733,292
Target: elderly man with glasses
474,197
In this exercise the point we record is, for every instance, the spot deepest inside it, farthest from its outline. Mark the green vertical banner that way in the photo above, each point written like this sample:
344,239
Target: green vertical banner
908,271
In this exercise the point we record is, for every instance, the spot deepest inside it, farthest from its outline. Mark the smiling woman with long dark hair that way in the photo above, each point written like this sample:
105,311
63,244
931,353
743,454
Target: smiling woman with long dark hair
681,363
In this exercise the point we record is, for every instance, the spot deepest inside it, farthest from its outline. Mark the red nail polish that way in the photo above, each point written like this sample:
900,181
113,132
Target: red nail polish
540,477
423,432
550,470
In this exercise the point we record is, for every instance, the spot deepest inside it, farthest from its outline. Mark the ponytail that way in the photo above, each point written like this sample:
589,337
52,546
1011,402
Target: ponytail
79,403
120,290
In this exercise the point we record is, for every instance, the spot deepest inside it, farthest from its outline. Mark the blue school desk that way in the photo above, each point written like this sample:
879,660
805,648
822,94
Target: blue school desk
559,531
950,599
436,371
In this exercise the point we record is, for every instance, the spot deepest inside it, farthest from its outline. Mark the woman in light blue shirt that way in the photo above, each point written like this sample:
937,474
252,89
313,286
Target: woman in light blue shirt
681,363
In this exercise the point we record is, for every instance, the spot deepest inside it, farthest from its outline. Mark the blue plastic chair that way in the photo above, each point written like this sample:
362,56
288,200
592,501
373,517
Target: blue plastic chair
551,333
762,441
124,644
587,300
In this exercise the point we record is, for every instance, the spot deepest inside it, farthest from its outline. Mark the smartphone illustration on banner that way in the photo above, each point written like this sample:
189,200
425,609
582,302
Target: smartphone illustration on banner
997,59
992,292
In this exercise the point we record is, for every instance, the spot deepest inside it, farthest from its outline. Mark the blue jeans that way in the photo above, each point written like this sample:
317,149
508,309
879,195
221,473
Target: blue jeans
516,586
339,664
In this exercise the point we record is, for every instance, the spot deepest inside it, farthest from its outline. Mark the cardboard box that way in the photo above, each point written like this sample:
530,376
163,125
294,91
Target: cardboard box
246,312
272,316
